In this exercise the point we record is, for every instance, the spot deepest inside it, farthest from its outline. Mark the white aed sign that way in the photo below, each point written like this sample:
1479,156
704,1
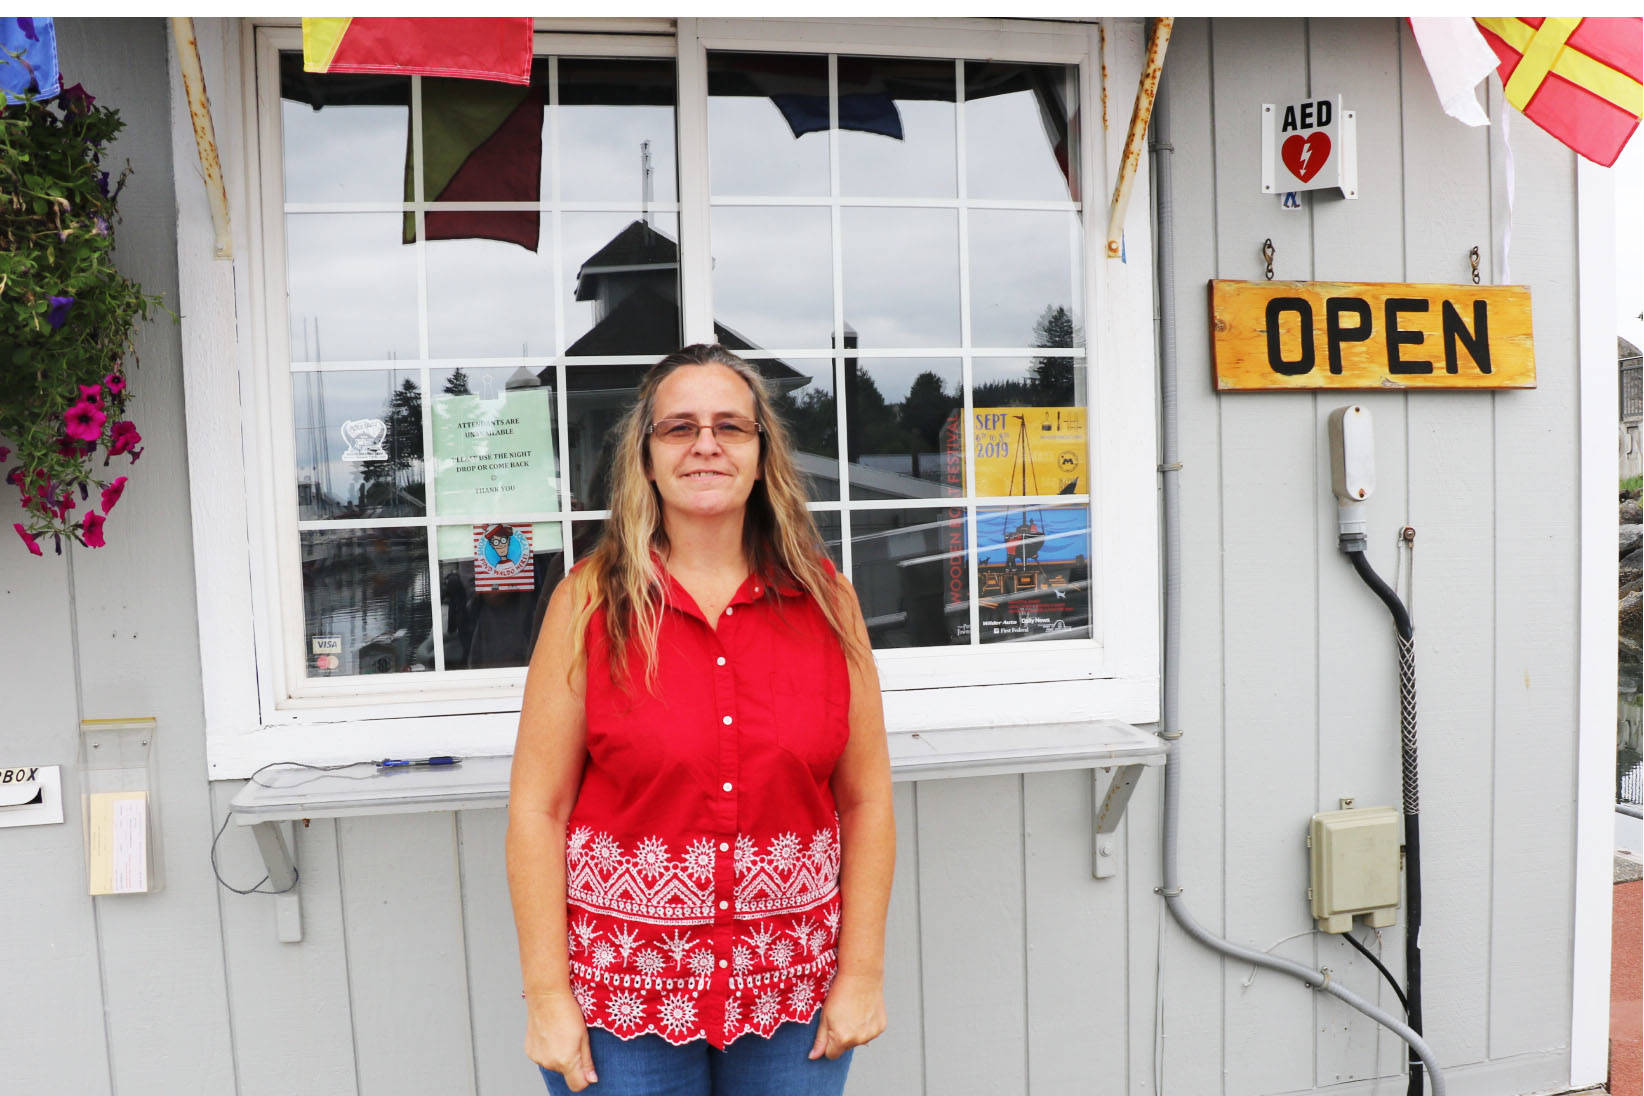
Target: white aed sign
1310,145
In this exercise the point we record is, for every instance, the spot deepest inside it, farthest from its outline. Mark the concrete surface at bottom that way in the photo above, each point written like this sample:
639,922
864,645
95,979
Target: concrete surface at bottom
1626,1016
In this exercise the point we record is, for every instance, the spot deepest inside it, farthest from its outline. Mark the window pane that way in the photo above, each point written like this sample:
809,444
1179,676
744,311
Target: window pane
1024,279
1028,382
910,574
1023,451
494,443
488,298
495,581
584,536
345,137
353,287
767,124
905,437
608,110
1033,566
366,608
896,128
804,398
828,525
901,277
621,283
1022,131
358,444
773,277
482,141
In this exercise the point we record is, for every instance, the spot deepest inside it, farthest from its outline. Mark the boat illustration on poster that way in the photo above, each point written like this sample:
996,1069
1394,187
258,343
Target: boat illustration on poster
1033,572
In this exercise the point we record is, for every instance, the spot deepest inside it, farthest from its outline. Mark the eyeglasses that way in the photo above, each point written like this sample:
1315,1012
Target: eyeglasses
686,431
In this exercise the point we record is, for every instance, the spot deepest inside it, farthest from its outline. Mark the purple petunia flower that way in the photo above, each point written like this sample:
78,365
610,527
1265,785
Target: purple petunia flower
76,100
57,314
102,183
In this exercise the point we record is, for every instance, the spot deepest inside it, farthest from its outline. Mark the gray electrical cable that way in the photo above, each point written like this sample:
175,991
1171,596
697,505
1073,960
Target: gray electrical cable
1169,723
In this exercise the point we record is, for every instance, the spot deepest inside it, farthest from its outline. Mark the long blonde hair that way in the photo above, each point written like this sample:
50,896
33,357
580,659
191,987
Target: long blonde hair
779,537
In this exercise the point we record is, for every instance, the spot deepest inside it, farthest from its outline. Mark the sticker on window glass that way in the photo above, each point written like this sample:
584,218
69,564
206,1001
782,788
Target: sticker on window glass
326,645
502,558
364,438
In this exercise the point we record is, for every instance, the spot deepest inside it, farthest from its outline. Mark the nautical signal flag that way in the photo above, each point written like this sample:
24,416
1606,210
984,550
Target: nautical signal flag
28,57
1578,79
477,49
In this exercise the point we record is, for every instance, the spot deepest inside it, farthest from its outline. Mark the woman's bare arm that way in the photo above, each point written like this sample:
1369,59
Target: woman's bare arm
547,771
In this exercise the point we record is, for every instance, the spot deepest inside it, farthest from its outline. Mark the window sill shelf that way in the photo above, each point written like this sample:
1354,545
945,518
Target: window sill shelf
1115,752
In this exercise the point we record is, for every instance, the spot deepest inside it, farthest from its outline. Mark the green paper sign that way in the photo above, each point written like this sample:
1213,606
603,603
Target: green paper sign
494,456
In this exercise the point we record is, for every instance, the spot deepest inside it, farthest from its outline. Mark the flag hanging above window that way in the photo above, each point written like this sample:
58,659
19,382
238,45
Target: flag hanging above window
28,57
1578,79
478,49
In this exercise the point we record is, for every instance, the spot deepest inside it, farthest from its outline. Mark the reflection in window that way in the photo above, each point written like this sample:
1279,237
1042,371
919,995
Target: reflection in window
495,582
767,123
616,130
344,135
366,604
621,283
352,287
902,276
358,444
1022,129
1025,278
903,417
911,576
896,128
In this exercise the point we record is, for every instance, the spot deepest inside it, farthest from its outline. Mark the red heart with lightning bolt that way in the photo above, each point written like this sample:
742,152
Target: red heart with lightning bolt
1305,156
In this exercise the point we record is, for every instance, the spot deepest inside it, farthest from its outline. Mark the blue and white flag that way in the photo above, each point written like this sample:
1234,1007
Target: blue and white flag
35,40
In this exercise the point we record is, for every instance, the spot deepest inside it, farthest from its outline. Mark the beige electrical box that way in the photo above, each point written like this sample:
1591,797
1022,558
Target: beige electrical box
1355,856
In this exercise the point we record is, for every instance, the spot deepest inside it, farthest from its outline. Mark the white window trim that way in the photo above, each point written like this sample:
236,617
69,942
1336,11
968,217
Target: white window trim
250,721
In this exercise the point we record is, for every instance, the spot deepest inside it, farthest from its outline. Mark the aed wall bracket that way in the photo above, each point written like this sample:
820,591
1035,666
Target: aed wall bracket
1116,753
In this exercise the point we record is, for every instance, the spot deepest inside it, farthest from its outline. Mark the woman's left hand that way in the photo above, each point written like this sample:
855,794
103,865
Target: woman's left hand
853,1014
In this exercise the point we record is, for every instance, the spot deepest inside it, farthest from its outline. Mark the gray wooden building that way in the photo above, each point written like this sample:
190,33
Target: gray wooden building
248,551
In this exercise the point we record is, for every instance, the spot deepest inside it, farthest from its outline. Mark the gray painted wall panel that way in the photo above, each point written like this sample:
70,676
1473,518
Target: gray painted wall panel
1452,506
895,1062
1537,515
498,1009
407,971
971,936
283,996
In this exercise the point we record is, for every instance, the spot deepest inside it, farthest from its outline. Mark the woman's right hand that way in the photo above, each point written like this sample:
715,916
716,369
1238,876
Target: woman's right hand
556,1038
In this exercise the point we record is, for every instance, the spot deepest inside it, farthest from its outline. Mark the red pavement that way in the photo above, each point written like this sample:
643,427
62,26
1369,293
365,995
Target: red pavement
1626,1017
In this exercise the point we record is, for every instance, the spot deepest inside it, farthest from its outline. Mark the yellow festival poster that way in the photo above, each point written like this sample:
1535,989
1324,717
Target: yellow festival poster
1030,451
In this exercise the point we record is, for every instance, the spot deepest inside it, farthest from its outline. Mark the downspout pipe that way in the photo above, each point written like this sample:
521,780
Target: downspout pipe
1169,725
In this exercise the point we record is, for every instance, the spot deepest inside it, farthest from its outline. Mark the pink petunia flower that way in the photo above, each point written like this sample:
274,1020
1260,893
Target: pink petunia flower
115,383
28,538
85,421
92,529
92,393
124,437
111,494
4,452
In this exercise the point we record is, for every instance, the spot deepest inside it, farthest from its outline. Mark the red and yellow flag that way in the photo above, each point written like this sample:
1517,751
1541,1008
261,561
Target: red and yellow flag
1578,79
479,49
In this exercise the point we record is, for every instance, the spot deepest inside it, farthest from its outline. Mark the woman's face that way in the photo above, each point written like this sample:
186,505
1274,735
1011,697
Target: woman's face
704,478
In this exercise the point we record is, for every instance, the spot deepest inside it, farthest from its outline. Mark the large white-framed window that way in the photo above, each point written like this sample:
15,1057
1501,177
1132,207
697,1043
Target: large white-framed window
899,223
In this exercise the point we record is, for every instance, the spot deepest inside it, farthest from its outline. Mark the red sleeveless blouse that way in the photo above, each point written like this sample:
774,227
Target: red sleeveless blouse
702,856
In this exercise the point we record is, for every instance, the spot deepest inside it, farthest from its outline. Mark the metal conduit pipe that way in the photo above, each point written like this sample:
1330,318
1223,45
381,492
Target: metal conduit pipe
1169,724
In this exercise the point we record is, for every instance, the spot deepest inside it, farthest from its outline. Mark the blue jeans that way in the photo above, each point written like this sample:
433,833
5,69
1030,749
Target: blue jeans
752,1066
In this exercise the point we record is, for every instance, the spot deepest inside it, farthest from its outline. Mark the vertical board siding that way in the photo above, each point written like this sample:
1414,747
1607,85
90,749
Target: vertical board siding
1076,1025
1537,596
1191,1034
1270,473
281,996
1452,507
1358,716
406,960
971,930
894,1064
494,979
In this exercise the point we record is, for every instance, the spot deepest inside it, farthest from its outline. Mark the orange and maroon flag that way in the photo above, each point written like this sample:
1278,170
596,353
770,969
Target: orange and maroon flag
1578,79
478,49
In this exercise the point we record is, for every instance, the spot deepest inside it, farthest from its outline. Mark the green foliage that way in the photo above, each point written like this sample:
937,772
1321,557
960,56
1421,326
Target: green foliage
66,314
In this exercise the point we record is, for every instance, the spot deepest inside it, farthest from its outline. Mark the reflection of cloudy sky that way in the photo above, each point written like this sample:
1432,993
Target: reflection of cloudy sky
1020,262
1009,155
353,281
322,402
599,151
344,154
902,276
773,275
920,165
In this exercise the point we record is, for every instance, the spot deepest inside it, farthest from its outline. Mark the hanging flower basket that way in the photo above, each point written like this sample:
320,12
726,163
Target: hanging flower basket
66,319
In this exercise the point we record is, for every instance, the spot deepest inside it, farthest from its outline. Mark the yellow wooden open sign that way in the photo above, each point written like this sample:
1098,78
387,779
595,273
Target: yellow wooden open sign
1271,336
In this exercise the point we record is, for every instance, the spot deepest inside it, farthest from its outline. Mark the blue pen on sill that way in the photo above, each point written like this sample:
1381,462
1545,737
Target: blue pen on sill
417,762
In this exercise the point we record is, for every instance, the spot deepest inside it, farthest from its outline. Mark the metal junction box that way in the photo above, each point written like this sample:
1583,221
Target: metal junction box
1355,858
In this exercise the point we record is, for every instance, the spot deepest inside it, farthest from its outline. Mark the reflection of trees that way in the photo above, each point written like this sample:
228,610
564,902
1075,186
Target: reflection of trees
401,472
811,417
457,383
1050,379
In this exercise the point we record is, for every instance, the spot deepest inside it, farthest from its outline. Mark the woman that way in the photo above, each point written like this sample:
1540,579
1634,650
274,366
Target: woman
700,840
